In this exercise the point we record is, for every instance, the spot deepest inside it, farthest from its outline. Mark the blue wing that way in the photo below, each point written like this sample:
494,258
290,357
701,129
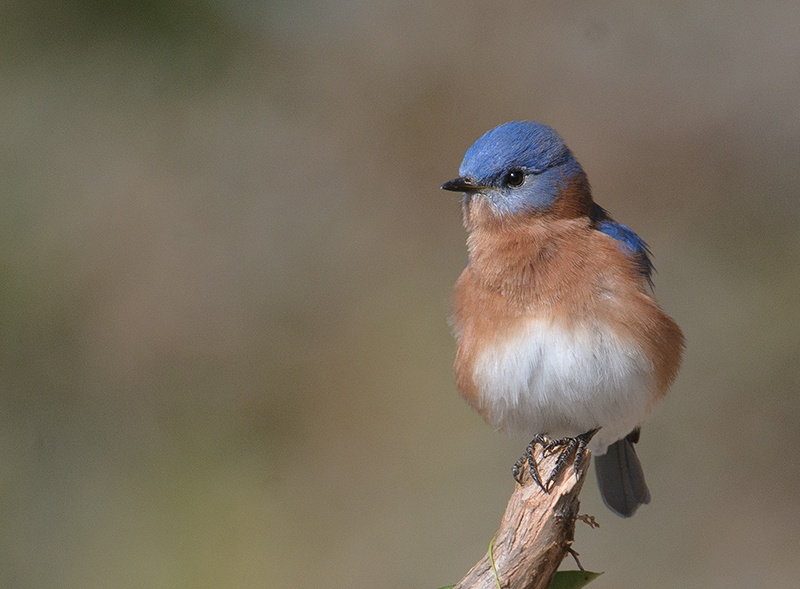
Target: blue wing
630,243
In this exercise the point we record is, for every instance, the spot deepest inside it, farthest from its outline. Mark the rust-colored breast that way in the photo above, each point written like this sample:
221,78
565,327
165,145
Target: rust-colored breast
565,273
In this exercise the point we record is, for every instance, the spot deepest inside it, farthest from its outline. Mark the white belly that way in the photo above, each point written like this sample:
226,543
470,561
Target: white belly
562,382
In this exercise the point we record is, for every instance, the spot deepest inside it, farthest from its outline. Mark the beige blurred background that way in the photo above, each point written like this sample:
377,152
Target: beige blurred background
226,263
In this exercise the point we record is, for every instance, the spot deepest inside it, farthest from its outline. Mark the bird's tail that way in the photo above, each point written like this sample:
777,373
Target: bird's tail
620,477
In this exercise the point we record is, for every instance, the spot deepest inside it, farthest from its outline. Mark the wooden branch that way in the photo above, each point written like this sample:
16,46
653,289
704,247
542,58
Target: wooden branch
536,532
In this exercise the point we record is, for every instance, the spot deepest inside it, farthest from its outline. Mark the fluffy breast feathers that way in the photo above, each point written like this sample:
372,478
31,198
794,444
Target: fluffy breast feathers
558,333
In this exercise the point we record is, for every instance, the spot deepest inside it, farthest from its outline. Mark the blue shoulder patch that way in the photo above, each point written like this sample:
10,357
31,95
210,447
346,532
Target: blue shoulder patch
631,243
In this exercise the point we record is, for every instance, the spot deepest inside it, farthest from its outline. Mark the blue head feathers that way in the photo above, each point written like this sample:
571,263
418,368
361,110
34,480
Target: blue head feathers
530,146
518,166
525,166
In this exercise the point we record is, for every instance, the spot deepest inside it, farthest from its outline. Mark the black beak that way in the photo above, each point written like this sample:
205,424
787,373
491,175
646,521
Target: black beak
462,185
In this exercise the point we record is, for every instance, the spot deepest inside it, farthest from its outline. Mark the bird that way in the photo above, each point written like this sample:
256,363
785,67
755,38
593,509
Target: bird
559,335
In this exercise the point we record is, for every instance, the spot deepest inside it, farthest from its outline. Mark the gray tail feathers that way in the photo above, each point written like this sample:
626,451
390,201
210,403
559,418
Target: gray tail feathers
620,477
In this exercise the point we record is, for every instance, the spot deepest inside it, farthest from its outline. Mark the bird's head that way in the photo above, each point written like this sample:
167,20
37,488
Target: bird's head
518,170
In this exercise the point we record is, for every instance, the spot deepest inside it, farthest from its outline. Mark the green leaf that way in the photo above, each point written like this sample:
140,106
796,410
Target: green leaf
572,579
447,587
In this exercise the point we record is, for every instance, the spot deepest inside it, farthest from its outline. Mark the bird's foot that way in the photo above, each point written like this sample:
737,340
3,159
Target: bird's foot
566,445
529,459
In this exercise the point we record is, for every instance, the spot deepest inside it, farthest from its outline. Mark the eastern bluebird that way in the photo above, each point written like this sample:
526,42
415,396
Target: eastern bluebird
559,335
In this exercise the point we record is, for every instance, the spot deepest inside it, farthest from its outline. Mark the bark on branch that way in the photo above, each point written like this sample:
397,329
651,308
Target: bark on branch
536,532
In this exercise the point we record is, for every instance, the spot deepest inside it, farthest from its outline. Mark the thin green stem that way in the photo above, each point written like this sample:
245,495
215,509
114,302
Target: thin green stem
491,560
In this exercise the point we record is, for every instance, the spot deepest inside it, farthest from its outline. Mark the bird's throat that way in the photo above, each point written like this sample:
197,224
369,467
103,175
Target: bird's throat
514,260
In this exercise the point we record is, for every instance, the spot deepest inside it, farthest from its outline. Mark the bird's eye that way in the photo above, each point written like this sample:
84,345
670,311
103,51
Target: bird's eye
514,178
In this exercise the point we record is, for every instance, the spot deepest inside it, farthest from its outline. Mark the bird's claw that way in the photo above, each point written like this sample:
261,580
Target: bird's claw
529,459
568,446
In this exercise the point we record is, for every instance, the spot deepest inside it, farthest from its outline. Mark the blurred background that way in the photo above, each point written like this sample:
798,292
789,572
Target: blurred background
226,262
